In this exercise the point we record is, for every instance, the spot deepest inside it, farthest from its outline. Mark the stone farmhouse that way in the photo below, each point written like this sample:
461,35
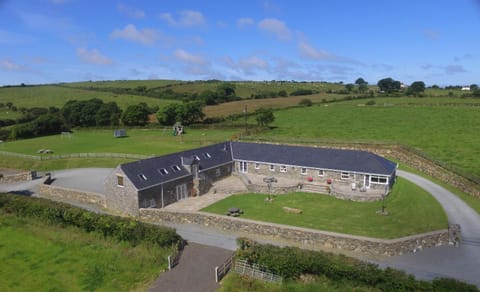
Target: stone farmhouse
159,181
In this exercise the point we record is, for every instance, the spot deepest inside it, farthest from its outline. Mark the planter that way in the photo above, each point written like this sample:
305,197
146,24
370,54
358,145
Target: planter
310,179
329,181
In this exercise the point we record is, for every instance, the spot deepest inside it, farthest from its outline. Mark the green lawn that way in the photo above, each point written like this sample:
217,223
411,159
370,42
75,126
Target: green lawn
447,133
411,211
139,141
39,257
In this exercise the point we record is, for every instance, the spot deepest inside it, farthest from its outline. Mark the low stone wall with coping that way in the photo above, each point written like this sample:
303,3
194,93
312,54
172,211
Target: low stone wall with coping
301,237
18,177
61,194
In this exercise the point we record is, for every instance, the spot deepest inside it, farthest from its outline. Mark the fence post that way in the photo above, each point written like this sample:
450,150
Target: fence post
169,263
216,274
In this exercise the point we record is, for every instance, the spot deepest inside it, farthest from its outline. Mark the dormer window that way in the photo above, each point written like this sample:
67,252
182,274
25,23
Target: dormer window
175,168
163,171
207,155
142,176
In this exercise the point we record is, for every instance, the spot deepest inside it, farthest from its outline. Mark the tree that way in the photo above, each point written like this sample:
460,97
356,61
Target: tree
362,84
186,113
168,115
226,89
264,116
135,115
349,87
473,87
389,85
416,87
283,93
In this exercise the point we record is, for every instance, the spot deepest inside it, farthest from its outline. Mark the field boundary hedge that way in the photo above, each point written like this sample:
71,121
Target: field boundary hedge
119,228
292,262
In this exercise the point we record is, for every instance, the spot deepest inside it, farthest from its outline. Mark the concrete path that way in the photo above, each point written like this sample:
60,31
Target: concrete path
195,270
461,262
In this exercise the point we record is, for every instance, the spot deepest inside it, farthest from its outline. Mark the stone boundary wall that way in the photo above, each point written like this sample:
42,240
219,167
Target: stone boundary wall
61,193
18,177
301,237
430,168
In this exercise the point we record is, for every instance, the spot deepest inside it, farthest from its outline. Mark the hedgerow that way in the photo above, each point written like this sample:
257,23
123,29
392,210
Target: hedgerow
120,228
292,262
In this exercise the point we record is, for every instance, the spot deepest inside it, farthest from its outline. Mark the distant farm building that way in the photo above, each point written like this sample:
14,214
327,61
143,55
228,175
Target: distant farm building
177,129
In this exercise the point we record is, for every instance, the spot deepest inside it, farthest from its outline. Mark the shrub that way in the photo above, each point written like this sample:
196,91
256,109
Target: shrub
371,102
305,102
292,262
123,229
301,92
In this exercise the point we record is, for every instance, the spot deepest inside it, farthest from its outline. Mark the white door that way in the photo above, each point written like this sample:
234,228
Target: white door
182,192
243,167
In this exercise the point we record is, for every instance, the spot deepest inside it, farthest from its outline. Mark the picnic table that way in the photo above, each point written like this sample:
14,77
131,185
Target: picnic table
235,212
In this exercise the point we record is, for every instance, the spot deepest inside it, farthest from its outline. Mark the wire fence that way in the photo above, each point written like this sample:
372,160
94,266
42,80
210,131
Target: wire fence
222,270
75,155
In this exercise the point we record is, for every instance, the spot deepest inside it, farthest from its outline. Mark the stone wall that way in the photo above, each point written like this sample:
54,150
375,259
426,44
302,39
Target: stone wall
121,199
18,177
60,194
301,237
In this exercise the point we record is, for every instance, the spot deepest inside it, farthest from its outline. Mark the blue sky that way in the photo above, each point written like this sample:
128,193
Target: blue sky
53,41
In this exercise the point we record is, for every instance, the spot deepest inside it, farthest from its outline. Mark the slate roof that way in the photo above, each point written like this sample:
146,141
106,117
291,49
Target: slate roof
151,168
148,172
322,158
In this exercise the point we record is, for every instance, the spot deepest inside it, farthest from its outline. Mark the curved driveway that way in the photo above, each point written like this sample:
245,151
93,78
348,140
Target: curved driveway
461,262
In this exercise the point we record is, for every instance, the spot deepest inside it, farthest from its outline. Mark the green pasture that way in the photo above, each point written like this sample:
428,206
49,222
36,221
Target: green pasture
156,141
51,95
448,133
411,211
38,257
123,83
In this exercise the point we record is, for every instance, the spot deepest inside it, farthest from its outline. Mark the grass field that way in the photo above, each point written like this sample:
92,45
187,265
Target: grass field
139,141
51,95
39,257
411,211
235,283
448,133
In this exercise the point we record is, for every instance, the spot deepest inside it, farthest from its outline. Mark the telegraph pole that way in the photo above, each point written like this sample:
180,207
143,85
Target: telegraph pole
245,115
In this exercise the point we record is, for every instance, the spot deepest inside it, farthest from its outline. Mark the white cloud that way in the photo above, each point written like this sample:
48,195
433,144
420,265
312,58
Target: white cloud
187,18
9,65
131,33
276,27
244,22
188,58
248,65
310,52
93,57
131,11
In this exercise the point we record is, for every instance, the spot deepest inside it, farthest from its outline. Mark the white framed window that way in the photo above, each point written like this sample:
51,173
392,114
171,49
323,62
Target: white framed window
321,172
283,168
381,180
243,166
163,171
303,171
120,182
345,175
257,165
272,167
218,172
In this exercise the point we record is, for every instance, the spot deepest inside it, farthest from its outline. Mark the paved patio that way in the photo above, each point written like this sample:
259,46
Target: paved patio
220,190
